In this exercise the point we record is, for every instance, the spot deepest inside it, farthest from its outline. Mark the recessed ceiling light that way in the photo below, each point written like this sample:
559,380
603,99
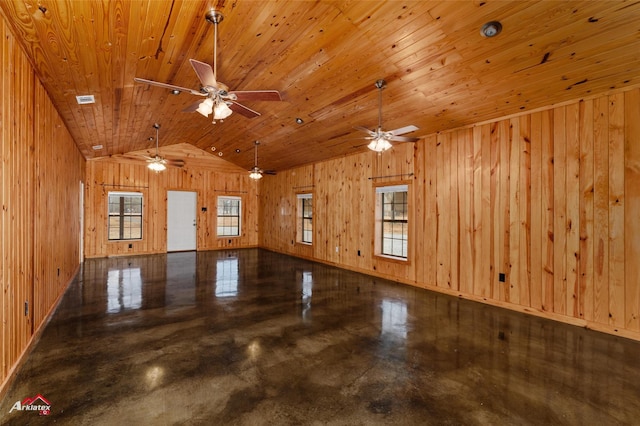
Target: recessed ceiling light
85,99
299,120
237,150
491,29
213,149
96,147
175,92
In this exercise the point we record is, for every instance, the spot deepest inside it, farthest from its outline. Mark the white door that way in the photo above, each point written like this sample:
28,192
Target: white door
181,220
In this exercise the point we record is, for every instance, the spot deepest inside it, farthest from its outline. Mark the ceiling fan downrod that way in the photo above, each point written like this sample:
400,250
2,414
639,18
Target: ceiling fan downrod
380,84
157,127
214,17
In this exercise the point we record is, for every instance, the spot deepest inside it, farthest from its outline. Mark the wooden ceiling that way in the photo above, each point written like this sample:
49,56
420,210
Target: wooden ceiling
324,57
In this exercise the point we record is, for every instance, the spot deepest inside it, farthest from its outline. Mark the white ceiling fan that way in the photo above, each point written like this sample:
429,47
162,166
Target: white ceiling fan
219,99
381,139
256,172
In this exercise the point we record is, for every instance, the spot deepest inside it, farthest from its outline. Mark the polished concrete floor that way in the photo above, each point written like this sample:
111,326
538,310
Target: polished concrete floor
251,337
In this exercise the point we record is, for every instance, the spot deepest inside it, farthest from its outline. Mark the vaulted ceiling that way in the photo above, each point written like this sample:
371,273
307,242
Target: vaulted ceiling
324,57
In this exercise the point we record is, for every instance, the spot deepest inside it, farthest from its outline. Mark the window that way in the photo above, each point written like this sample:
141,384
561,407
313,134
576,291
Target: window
305,218
125,216
229,216
392,223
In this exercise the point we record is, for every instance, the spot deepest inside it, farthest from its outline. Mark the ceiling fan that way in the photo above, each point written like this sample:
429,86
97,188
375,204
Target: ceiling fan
219,99
158,163
256,172
380,139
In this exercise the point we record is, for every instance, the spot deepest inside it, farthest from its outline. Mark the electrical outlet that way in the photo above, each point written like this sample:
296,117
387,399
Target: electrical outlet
337,249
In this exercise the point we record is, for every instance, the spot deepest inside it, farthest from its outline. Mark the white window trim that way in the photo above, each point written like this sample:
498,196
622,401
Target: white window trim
126,194
393,188
378,221
299,227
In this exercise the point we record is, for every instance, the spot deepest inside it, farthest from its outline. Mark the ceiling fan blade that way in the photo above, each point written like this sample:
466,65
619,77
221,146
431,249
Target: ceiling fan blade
169,86
243,110
403,130
269,172
174,163
256,95
364,129
358,146
403,139
205,73
193,107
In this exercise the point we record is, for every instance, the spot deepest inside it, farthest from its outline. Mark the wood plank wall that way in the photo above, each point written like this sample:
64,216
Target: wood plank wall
104,176
550,199
41,171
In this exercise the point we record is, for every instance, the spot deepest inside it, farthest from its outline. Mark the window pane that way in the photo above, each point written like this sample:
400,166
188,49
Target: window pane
114,227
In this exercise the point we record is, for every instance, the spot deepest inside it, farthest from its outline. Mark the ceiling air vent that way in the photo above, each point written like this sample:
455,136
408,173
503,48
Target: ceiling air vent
85,99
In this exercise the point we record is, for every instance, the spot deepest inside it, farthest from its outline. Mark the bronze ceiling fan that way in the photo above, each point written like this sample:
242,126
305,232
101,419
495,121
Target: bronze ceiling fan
219,99
381,139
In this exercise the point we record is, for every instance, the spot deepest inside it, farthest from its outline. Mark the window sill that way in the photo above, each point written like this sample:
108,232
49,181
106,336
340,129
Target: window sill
393,259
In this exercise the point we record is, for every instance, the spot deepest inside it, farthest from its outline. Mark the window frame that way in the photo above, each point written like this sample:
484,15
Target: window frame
238,216
301,219
122,215
379,239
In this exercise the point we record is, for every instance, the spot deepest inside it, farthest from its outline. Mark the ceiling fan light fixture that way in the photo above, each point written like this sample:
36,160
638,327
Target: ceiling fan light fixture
157,165
255,175
221,111
206,107
379,145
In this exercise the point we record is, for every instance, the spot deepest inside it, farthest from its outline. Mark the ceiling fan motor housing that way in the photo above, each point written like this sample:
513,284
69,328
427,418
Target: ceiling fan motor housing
214,17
